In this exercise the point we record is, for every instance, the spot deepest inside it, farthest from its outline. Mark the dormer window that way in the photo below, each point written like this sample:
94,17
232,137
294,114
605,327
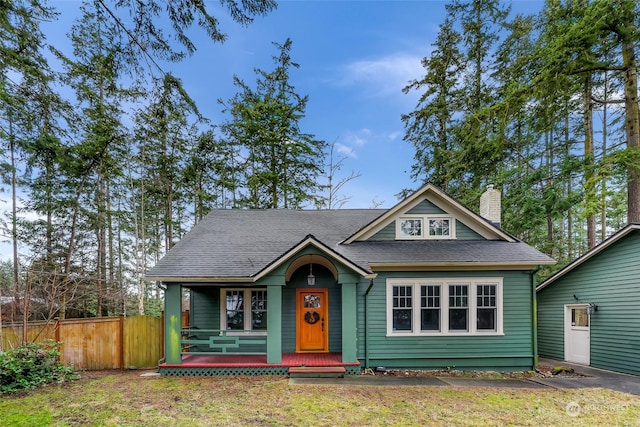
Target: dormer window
440,227
416,227
410,228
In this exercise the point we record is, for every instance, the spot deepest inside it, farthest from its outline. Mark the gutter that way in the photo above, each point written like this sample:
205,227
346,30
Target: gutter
534,317
366,325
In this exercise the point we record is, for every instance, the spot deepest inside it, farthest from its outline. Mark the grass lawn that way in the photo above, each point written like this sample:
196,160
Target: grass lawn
126,399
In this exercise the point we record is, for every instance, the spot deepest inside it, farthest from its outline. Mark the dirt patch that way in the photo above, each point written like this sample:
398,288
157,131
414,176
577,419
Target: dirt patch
543,371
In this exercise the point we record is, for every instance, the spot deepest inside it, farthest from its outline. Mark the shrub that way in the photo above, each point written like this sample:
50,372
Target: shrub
32,365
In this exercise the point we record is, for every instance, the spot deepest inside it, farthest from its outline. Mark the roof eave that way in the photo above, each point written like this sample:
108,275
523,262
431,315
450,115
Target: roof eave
199,279
460,265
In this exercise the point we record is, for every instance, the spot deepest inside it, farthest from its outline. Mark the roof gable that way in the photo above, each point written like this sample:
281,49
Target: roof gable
430,199
621,234
311,241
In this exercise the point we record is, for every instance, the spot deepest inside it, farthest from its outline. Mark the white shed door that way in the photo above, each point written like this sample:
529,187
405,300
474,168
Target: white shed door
576,334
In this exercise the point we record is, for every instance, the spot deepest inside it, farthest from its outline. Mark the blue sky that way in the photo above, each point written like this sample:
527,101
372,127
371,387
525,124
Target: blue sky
355,57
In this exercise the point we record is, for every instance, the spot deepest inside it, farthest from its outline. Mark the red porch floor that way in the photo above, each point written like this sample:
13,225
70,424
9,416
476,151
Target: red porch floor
259,361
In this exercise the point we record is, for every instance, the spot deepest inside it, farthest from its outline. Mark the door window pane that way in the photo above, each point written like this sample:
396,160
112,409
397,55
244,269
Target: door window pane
579,317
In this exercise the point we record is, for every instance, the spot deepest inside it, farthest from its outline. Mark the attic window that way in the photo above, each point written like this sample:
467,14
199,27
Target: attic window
425,227
410,228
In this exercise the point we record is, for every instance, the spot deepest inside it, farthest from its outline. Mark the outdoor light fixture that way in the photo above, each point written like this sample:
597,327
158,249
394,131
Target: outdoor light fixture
591,307
311,279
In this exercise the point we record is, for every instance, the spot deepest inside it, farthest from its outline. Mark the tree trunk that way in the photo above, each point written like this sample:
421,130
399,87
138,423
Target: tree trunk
589,184
632,123
603,183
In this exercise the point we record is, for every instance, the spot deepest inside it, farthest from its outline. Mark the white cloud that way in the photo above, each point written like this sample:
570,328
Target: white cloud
347,151
386,75
394,136
358,138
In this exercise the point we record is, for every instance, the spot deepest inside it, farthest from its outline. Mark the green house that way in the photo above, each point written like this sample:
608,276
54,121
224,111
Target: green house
589,312
427,284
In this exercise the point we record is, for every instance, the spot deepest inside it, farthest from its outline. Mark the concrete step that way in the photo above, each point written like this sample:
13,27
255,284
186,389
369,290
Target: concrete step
317,371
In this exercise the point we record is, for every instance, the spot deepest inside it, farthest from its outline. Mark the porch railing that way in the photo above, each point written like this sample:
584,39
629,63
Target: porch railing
219,341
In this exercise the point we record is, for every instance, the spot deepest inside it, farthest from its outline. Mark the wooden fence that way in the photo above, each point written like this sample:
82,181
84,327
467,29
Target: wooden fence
97,343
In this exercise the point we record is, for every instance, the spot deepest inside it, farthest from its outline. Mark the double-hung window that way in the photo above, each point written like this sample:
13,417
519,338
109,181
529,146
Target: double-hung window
430,307
243,310
444,306
402,311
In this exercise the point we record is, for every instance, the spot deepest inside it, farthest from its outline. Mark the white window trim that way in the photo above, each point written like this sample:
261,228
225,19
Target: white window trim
401,235
425,227
247,311
444,306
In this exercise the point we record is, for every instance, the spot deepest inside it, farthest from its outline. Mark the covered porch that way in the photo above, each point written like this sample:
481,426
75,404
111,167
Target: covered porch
268,324
256,364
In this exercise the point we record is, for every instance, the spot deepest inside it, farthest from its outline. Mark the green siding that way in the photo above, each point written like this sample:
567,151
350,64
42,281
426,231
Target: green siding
610,279
425,207
465,233
387,233
204,313
204,307
511,352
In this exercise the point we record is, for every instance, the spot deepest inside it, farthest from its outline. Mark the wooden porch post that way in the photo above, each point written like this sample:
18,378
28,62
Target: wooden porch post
172,323
274,324
349,321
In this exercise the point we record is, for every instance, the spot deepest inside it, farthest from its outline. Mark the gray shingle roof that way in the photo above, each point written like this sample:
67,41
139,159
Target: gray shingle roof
442,252
241,243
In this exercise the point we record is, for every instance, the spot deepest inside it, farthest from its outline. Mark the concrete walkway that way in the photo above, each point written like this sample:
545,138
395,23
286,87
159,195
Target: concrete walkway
596,378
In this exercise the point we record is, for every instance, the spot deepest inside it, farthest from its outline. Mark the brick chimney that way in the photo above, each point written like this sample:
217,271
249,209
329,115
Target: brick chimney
490,205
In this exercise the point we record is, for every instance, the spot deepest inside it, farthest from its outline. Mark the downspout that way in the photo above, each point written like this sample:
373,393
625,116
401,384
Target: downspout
366,325
534,317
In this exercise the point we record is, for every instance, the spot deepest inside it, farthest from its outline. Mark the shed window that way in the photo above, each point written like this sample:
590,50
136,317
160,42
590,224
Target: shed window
579,317
466,306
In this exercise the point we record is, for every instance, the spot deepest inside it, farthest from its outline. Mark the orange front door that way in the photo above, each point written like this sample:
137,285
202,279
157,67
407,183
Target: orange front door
311,320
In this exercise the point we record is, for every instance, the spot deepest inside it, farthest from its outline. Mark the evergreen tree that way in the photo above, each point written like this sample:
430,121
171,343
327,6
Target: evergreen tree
23,68
429,127
281,163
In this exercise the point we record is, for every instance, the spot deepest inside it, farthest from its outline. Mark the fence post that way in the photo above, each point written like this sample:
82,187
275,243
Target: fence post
56,330
56,337
122,341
